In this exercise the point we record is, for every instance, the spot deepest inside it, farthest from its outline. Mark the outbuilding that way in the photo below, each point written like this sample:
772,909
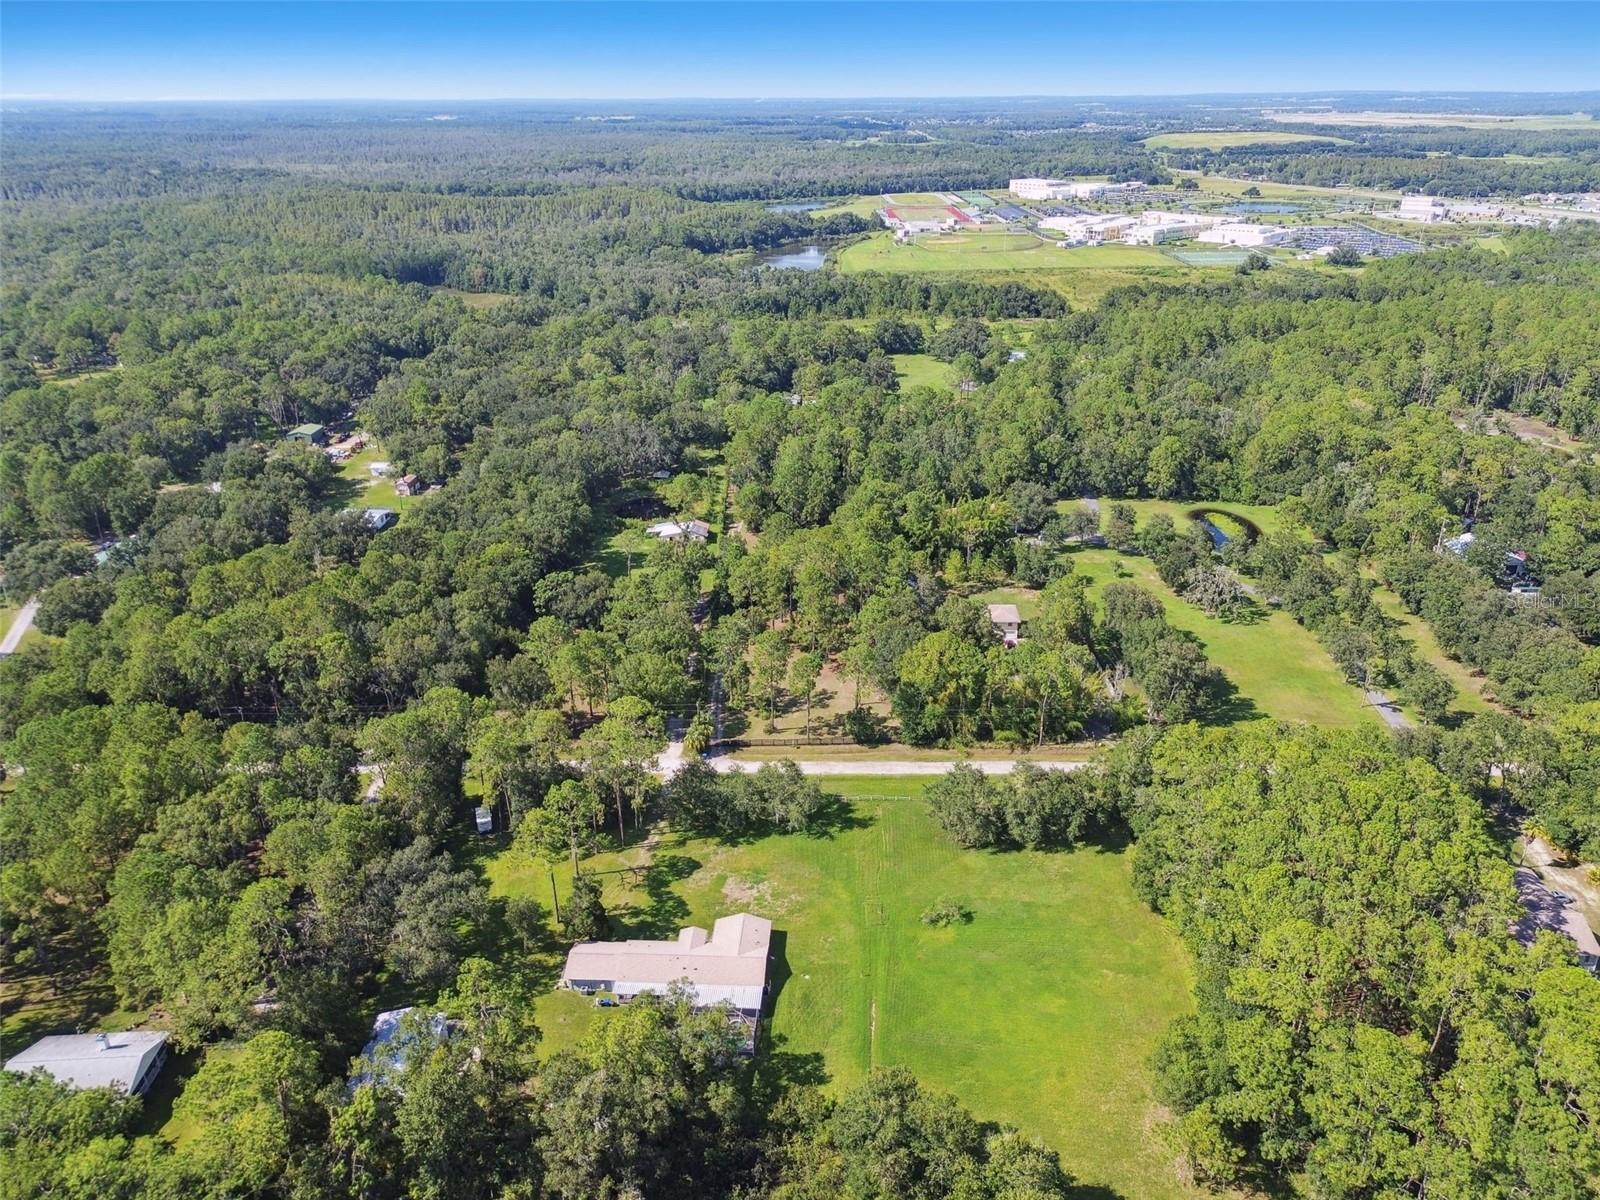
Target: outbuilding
311,435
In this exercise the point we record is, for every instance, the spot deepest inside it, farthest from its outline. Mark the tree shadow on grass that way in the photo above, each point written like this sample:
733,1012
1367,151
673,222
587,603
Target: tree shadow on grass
1227,705
1251,612
836,815
664,911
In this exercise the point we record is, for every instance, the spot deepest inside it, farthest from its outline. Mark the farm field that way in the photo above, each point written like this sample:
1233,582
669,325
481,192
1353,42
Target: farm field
1042,1012
1222,139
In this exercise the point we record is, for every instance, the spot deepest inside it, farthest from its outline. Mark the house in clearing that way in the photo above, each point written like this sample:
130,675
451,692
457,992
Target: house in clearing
378,519
1007,622
1543,908
128,1062
729,964
408,485
678,531
311,435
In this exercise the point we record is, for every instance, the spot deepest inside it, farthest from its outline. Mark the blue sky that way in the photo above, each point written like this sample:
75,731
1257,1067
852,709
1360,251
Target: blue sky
145,51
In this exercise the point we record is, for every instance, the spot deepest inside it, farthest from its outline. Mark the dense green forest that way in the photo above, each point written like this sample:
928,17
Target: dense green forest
191,814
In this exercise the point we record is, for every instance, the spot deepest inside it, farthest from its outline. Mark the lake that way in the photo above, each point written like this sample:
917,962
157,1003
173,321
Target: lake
795,257
797,206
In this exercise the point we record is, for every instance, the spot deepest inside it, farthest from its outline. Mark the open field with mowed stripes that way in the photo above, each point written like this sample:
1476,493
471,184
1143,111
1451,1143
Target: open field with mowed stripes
1042,1012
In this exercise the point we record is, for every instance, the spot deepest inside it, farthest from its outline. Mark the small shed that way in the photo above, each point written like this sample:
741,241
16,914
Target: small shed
311,435
484,819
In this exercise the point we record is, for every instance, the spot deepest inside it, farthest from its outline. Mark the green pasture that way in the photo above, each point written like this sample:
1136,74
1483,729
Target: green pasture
1222,139
1042,1012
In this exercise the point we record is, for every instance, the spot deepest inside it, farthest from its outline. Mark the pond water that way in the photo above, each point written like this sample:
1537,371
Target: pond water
1263,206
795,257
797,206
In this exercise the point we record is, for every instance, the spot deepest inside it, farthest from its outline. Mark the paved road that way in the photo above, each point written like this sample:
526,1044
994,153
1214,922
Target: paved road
992,766
19,627
1388,710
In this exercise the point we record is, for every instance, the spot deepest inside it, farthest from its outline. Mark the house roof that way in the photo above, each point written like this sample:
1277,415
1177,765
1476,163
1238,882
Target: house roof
672,529
386,1051
82,1061
1004,614
734,954
309,428
1547,909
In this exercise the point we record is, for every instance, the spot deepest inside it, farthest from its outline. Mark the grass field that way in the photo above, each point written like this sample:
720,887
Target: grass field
367,492
1083,275
1220,185
994,252
1042,1012
1221,140
923,370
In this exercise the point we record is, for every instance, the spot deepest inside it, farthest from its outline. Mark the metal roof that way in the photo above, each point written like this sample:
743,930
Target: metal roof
735,954
89,1060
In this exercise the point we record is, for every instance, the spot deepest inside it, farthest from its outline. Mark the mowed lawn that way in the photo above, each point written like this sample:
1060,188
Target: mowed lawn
923,370
1041,1013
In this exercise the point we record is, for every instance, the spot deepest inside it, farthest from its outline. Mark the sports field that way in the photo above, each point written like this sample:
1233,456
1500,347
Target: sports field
1211,258
1042,1012
1221,140
992,252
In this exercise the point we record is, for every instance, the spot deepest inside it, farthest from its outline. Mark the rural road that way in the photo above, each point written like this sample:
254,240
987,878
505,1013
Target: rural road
19,627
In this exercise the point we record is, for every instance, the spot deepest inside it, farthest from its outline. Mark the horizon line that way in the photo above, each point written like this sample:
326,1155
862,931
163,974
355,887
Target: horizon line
37,98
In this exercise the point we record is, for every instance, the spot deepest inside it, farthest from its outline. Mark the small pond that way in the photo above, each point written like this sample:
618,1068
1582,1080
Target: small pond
1263,206
795,257
797,206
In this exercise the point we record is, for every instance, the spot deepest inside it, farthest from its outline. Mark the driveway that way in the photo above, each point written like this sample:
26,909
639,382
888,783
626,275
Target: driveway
19,627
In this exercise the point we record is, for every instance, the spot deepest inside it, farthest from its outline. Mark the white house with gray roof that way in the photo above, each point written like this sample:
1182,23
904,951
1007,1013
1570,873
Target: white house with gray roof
128,1062
728,964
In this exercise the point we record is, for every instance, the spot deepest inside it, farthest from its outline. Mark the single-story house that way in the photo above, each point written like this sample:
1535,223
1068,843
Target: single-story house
378,519
312,435
128,1062
386,1050
408,485
380,468
676,531
1007,622
729,964
662,474
1544,908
